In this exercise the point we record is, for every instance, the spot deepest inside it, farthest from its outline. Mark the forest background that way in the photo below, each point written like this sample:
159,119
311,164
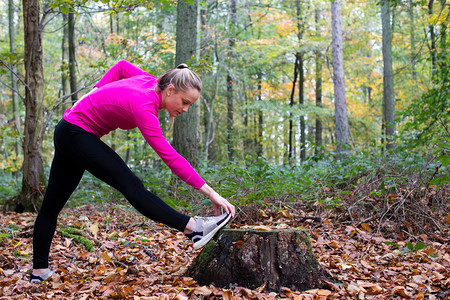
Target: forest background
266,125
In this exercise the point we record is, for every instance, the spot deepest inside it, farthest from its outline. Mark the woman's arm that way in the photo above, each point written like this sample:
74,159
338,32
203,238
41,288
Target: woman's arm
148,124
121,70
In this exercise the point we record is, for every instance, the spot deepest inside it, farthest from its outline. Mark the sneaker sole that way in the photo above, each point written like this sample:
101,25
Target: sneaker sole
210,235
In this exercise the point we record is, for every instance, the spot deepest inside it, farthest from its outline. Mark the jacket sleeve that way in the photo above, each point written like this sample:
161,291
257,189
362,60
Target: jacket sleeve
121,70
148,124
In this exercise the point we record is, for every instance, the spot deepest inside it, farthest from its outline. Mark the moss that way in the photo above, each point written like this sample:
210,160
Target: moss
5,235
75,234
206,255
13,226
72,230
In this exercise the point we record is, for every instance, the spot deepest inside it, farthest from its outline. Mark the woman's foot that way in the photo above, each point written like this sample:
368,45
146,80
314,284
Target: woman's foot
40,275
206,228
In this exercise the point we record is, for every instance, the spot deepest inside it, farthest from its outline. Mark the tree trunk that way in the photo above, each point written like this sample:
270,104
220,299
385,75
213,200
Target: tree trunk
318,137
64,57
260,120
291,116
301,81
432,38
230,81
412,37
301,102
185,129
32,181
253,258
388,76
443,61
340,103
12,49
72,61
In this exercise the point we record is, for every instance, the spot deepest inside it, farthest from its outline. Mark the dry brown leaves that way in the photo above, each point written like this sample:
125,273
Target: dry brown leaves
139,259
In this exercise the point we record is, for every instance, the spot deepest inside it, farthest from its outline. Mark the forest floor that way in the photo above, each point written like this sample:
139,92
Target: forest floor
134,258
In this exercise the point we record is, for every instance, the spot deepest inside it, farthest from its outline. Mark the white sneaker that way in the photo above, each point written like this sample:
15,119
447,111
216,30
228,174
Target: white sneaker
206,228
40,278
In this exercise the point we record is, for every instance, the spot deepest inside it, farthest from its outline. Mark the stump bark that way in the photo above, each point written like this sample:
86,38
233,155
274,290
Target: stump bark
253,258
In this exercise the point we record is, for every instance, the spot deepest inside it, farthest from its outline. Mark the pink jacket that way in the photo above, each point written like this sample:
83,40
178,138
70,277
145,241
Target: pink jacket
126,99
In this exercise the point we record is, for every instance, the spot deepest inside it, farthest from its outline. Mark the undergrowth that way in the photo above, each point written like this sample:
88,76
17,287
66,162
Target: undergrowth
395,191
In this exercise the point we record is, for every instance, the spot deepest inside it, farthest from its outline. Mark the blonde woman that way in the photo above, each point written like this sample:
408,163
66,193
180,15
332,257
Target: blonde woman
126,97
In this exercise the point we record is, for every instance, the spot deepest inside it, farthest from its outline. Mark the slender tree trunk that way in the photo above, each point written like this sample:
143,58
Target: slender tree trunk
340,103
230,81
111,24
318,137
127,152
64,57
260,120
185,131
432,39
291,116
117,23
301,82
230,120
443,63
413,50
301,102
208,99
248,130
12,49
72,61
247,139
32,181
388,76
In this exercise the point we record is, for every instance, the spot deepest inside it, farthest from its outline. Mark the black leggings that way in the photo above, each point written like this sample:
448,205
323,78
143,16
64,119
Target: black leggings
76,150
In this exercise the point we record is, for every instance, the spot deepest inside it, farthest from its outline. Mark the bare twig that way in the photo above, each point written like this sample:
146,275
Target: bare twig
15,74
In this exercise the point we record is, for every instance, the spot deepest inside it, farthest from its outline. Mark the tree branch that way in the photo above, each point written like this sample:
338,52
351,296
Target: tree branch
14,90
16,75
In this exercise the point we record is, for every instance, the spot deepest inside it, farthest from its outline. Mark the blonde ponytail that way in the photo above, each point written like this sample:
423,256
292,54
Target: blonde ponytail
181,77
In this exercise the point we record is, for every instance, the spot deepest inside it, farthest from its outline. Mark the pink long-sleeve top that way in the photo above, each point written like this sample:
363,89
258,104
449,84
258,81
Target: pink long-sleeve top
126,99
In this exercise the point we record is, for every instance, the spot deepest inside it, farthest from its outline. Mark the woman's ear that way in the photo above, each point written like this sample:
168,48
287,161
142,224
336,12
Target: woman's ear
170,89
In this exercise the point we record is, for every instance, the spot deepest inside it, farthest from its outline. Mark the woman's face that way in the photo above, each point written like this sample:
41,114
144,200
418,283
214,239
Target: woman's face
178,102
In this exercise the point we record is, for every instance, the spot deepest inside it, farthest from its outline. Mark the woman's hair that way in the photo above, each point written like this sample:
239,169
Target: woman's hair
181,77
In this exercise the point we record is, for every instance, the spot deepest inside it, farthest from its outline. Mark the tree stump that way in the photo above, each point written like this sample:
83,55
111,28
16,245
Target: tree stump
251,258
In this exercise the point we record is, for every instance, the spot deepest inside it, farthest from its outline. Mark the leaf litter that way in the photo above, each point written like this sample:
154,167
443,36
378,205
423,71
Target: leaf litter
135,258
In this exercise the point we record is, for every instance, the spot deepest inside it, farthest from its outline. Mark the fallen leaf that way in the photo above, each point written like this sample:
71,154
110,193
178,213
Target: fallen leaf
262,227
104,255
227,294
419,296
323,292
401,291
355,289
366,227
203,291
94,229
180,297
238,244
430,251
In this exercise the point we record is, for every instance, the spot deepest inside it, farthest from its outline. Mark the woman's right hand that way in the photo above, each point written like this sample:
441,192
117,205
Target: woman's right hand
218,201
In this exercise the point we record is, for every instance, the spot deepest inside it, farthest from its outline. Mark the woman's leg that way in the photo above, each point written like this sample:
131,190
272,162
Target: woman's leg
65,174
101,161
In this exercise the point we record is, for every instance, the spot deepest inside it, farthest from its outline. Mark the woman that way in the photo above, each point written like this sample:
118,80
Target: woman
126,97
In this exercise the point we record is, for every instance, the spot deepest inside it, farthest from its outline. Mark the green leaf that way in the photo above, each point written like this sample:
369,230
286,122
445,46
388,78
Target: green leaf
444,159
419,246
391,243
410,246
